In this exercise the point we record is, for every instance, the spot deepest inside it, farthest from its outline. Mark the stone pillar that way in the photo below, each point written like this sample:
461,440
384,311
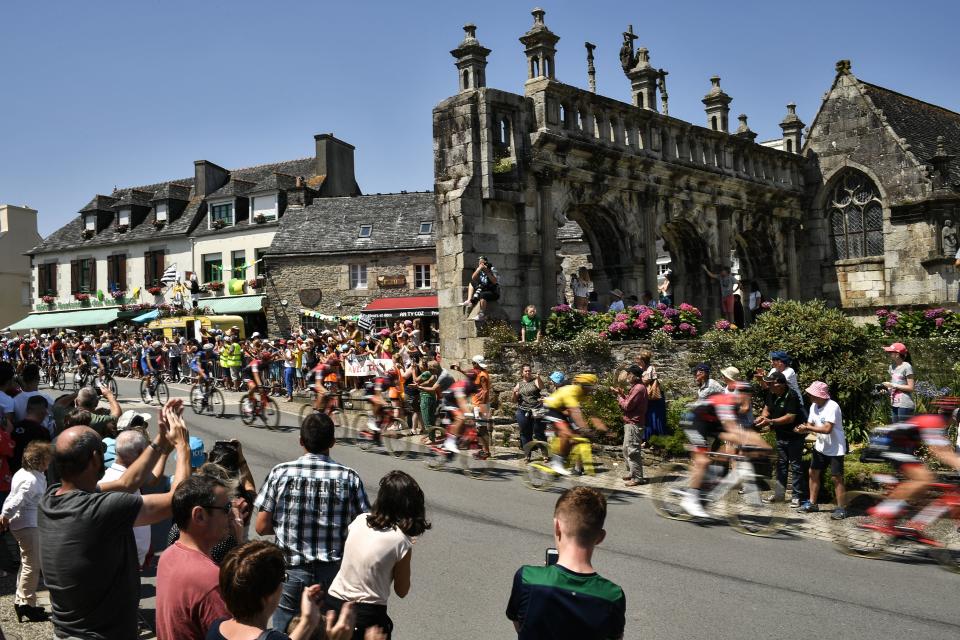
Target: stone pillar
724,235
793,272
648,214
548,244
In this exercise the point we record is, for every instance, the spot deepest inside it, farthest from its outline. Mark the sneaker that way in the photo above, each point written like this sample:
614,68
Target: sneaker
450,444
691,504
808,507
774,499
795,503
481,316
556,465
635,483
838,514
481,455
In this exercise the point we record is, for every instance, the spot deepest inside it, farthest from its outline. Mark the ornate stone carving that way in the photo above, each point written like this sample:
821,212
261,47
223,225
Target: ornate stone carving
627,58
948,238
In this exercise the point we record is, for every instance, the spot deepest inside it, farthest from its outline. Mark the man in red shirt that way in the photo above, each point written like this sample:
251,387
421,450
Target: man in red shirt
188,591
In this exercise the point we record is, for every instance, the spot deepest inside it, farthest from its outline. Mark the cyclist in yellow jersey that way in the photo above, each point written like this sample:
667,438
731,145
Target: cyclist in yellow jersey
563,410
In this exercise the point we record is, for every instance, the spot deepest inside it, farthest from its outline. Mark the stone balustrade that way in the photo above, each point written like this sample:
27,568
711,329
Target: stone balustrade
574,113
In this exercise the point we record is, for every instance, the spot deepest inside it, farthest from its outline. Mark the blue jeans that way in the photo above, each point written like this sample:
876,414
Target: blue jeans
297,579
898,414
288,376
530,427
789,457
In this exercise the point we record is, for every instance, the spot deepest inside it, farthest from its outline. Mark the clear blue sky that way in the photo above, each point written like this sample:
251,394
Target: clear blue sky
109,93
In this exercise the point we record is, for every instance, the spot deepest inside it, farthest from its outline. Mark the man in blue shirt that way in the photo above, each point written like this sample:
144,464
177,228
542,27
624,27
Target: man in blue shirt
569,599
617,304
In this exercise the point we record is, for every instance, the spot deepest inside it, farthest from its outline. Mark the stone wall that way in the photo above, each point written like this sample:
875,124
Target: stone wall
851,133
288,275
673,364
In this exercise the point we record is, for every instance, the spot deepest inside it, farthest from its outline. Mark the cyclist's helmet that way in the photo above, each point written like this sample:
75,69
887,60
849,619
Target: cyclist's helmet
585,379
557,377
157,344
87,340
207,347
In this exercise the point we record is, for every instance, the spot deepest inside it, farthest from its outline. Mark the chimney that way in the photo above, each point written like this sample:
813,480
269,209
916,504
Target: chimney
335,161
208,177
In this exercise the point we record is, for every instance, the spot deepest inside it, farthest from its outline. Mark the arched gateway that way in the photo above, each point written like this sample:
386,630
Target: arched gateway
512,169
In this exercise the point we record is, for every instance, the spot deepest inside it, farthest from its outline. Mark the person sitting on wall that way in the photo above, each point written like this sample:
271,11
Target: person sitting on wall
484,286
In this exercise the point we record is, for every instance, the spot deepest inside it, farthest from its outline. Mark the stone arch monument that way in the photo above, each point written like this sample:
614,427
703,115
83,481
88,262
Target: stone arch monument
511,169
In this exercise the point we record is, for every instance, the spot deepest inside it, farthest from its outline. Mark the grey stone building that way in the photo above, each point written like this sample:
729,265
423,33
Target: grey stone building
883,180
512,169
373,254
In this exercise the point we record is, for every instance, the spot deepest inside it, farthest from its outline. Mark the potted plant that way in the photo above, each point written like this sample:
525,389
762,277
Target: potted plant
255,283
81,297
259,218
155,290
216,285
218,224
48,299
159,224
122,228
118,294
86,234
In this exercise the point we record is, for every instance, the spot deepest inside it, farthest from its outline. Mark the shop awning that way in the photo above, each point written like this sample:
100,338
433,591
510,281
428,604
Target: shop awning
234,304
147,317
403,307
66,319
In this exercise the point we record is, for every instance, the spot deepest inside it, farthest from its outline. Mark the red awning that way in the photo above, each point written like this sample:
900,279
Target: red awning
402,304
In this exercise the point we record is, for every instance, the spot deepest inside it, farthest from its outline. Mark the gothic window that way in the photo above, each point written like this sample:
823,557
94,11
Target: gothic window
856,217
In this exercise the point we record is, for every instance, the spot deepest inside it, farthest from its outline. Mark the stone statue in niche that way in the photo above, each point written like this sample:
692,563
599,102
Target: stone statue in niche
948,238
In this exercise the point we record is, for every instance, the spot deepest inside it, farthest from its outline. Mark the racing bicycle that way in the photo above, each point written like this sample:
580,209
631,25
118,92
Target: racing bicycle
473,460
261,407
204,397
744,510
157,389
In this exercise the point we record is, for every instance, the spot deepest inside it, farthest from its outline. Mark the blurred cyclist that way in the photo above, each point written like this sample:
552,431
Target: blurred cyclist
563,410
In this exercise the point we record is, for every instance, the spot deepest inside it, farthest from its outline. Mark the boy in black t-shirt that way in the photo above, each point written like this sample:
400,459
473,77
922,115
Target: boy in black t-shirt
569,599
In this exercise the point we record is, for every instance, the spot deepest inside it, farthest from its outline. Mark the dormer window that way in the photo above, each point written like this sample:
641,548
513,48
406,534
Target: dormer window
264,208
365,231
161,212
123,218
426,228
221,215
90,222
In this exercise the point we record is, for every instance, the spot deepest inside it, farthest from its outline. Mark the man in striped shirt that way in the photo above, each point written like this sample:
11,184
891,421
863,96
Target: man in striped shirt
308,503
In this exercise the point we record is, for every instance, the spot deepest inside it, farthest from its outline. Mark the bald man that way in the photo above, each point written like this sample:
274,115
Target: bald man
89,557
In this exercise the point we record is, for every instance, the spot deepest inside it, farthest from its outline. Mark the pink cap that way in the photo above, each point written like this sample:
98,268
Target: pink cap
819,389
897,347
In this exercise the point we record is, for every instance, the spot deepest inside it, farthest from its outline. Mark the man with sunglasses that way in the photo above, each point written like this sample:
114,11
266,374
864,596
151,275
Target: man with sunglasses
188,591
87,536
782,412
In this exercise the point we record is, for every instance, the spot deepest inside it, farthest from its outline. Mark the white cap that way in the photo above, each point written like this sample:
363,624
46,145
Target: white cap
123,422
479,361
256,334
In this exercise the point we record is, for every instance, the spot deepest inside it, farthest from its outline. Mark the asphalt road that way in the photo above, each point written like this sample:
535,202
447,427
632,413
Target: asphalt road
682,580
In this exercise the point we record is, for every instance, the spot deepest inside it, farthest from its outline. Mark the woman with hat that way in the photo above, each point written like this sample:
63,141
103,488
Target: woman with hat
617,305
901,382
825,420
656,418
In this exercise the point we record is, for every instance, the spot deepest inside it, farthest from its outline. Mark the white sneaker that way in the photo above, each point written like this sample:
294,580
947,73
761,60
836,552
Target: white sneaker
556,464
149,399
691,504
373,426
450,444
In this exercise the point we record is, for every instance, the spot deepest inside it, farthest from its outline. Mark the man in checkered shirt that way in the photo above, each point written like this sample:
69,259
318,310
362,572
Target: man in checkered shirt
308,503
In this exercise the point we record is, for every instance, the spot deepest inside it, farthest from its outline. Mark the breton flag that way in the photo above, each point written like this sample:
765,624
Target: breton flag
365,322
169,275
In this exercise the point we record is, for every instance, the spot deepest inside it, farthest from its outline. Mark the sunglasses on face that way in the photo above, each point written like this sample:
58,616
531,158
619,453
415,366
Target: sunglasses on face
225,508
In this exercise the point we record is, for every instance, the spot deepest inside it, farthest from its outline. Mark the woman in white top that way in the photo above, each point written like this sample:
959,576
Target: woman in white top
20,516
581,286
377,553
901,382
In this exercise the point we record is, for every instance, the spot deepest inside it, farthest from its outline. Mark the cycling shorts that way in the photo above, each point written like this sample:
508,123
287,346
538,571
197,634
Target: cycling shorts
247,375
554,416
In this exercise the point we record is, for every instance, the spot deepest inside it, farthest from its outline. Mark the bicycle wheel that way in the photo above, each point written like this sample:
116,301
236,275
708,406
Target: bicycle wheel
855,535
945,532
270,414
473,465
61,381
196,399
108,382
247,410
144,390
305,410
536,450
539,476
669,491
750,515
216,403
434,436
395,440
161,393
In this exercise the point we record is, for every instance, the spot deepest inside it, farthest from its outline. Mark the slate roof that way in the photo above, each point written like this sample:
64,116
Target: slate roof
69,237
332,225
133,197
232,189
275,182
920,123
